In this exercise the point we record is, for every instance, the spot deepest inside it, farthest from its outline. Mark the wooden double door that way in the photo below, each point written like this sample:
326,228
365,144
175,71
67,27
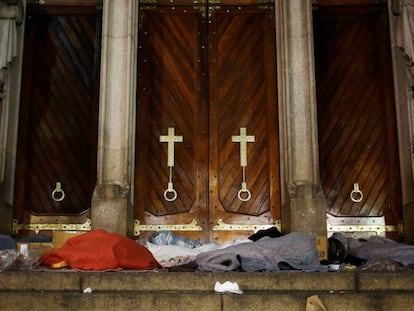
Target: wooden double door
207,123
58,124
358,144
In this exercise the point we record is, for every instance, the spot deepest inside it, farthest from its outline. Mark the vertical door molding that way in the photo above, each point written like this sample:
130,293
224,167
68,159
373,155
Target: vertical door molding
116,116
305,204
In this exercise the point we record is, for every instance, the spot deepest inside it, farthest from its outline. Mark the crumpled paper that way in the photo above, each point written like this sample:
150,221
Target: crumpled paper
227,287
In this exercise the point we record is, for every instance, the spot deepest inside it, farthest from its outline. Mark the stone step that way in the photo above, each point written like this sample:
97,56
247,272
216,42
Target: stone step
173,291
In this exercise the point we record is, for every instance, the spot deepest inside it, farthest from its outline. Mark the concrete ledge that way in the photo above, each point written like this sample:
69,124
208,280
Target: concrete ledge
335,301
177,281
339,291
41,281
108,301
199,301
203,281
194,281
400,281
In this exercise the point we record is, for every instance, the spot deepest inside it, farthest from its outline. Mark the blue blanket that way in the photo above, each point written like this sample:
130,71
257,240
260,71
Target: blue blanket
7,242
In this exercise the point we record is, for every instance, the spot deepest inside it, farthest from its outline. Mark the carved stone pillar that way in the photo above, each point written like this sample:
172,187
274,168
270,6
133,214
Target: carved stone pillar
116,116
8,52
11,14
306,203
404,10
11,47
402,39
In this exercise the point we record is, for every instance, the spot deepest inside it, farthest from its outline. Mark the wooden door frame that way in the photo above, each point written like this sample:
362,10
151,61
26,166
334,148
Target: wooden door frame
22,219
345,132
212,143
300,195
298,140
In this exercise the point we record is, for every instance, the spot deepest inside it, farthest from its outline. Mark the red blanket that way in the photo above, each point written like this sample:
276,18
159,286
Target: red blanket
100,250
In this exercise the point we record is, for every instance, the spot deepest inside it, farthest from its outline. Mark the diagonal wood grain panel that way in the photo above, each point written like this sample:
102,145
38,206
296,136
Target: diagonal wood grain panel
58,133
357,140
207,72
239,39
170,70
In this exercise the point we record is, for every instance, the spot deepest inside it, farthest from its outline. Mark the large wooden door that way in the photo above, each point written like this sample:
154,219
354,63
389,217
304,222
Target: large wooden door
58,116
356,117
206,75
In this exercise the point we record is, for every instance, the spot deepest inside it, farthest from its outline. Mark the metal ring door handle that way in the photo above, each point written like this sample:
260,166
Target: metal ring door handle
58,194
356,194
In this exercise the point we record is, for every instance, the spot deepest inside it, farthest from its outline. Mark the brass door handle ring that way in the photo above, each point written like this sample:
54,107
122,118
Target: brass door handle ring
58,194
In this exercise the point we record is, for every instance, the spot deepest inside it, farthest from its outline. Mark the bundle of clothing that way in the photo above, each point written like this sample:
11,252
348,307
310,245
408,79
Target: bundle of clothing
267,250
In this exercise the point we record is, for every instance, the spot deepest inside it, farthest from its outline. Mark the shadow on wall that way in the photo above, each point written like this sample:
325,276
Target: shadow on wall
6,214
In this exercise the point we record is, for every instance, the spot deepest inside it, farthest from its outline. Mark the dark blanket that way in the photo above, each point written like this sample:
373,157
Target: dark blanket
295,250
7,242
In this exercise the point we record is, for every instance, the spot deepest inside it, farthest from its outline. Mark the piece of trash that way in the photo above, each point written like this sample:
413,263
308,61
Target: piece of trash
335,267
314,303
87,290
24,249
227,287
349,267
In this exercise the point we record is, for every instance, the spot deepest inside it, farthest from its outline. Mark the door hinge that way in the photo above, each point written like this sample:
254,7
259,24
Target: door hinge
193,226
37,227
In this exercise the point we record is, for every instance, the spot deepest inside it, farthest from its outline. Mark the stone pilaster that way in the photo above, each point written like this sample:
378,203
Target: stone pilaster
402,42
11,47
305,200
116,116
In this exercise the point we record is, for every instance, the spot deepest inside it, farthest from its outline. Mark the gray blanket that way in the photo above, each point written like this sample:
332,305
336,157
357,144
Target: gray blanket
381,248
295,249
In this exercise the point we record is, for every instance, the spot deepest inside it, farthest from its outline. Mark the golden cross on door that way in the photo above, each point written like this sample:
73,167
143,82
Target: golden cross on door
243,139
171,139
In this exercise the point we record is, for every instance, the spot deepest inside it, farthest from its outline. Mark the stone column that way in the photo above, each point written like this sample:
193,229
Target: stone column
305,200
11,15
402,42
11,47
112,195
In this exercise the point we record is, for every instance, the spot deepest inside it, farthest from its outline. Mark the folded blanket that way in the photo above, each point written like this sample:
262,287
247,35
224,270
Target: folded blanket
295,250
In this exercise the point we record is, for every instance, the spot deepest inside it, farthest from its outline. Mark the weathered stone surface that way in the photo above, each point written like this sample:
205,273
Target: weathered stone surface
287,291
39,281
386,281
